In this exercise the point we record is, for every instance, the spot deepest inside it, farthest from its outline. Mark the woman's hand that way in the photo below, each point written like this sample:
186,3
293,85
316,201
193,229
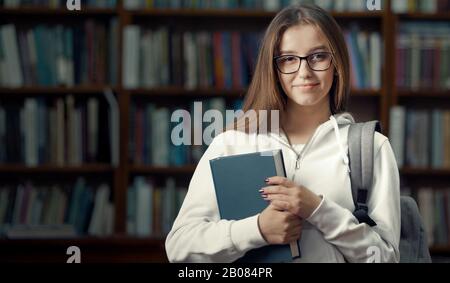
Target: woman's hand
286,195
279,227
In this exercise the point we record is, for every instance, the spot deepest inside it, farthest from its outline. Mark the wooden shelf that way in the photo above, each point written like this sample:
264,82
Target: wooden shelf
425,172
27,11
239,13
211,92
163,91
440,250
86,241
441,16
142,169
181,92
54,90
93,250
424,93
358,15
366,92
88,168
233,13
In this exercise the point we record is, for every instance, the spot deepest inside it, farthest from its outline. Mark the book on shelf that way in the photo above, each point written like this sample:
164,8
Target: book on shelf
43,211
420,138
152,209
422,56
433,205
74,59
114,124
60,131
63,231
397,133
411,6
365,51
151,129
192,60
237,181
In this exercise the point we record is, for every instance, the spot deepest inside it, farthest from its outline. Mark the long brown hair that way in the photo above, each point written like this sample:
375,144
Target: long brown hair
265,92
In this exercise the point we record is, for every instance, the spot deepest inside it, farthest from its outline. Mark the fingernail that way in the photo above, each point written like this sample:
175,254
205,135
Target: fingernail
267,180
264,197
261,191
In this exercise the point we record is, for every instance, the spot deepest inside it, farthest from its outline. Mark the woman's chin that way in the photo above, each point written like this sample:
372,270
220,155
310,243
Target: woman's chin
306,99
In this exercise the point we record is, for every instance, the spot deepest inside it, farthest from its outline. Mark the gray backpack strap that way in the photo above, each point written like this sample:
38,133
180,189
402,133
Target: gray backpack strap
360,146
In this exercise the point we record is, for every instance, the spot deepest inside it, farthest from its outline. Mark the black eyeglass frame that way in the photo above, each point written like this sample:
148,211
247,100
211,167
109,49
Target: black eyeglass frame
301,59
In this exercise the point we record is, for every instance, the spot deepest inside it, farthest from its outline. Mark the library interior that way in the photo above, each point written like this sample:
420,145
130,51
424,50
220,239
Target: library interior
88,92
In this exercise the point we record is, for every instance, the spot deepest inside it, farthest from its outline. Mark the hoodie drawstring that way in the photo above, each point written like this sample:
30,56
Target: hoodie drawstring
334,122
338,138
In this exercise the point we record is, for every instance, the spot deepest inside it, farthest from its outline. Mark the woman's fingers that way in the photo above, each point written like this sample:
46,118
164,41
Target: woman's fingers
280,205
282,181
280,197
275,190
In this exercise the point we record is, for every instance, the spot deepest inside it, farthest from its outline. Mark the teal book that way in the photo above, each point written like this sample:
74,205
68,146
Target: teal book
237,181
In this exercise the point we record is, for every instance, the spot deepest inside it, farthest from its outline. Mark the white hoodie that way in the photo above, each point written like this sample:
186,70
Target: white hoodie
330,234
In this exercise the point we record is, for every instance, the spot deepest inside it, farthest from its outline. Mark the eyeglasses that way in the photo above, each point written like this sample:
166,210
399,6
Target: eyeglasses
289,64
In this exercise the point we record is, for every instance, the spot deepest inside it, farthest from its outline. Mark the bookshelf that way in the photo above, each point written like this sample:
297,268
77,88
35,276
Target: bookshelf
367,103
427,180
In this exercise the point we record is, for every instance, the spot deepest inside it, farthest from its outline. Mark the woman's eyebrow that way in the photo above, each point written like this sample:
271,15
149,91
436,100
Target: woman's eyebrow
321,47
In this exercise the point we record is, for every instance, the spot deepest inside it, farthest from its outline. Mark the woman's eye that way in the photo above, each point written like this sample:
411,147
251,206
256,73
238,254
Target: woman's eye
289,59
318,57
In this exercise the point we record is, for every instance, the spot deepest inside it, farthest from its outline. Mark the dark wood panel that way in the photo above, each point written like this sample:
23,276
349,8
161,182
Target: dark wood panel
112,250
88,168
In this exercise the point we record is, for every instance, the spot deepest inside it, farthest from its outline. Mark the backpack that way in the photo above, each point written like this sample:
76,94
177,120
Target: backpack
413,240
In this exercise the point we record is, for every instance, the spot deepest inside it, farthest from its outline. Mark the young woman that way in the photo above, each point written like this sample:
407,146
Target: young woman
302,71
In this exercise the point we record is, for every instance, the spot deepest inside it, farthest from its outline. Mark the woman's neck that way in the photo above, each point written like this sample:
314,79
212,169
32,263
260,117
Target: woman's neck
300,122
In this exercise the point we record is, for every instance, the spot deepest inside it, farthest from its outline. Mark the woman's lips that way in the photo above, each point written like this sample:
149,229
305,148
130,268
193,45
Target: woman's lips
307,86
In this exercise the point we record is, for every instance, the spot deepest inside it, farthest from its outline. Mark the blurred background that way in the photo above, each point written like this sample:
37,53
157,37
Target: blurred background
86,99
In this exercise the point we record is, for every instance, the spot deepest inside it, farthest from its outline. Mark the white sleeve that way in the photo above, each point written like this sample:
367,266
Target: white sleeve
360,242
198,233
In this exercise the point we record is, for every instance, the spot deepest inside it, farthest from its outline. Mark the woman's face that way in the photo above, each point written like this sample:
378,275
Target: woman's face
305,87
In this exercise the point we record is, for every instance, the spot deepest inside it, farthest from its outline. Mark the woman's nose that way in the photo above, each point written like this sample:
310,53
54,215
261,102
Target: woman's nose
304,71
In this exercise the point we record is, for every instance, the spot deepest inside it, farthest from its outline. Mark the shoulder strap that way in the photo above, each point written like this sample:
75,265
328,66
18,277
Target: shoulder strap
360,145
